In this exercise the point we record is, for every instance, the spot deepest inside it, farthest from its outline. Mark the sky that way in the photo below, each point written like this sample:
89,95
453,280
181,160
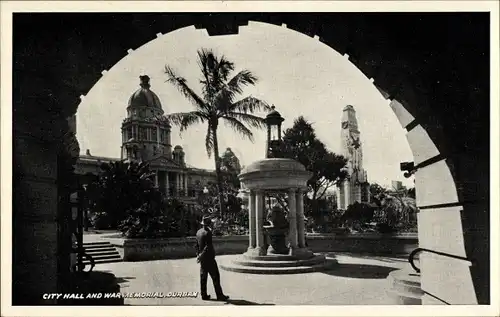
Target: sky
297,73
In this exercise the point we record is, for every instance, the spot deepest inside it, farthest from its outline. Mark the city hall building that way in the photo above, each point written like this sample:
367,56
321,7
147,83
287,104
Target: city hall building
148,140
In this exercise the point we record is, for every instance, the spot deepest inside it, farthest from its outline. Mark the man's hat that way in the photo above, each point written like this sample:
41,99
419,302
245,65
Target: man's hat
207,220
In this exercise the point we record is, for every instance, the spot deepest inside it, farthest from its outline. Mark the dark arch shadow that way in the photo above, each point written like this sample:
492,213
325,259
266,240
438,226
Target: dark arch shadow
354,270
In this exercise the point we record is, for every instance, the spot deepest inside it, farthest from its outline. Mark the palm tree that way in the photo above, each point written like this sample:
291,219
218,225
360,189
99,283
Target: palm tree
218,102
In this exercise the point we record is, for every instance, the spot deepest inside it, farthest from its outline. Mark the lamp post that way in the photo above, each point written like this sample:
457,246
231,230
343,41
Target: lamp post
273,121
205,196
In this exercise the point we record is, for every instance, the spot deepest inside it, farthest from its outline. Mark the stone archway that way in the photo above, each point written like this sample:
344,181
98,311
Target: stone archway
451,155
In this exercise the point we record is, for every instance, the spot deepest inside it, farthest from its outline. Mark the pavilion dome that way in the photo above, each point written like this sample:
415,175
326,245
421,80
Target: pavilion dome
275,173
274,164
274,114
144,96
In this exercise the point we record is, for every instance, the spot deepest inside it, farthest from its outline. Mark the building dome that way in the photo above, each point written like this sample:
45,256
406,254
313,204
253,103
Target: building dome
178,147
144,97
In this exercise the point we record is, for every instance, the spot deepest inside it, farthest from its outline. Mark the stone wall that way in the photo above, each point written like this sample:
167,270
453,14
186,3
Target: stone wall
171,248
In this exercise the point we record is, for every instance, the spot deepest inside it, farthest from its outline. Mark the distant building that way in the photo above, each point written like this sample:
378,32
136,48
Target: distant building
356,187
145,139
397,185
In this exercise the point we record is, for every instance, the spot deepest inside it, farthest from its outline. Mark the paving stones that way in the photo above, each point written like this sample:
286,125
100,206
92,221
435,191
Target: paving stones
358,280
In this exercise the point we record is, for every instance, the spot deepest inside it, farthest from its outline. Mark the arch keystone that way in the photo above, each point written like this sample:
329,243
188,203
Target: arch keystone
159,34
284,25
316,37
130,50
104,72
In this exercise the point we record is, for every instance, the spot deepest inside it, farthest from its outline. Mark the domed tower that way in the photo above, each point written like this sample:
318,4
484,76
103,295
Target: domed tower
178,155
143,138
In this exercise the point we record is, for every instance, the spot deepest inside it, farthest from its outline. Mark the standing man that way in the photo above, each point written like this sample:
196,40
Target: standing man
205,255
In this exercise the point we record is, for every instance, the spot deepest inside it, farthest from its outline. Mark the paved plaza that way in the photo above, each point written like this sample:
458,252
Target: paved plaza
357,280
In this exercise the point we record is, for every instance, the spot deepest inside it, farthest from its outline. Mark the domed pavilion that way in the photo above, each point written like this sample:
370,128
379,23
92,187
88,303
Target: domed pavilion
276,231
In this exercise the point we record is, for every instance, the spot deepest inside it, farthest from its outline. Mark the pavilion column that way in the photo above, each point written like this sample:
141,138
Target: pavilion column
292,218
156,178
300,219
185,184
259,203
251,220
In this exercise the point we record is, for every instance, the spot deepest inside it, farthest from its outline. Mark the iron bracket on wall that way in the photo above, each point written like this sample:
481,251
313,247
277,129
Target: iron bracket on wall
411,257
408,168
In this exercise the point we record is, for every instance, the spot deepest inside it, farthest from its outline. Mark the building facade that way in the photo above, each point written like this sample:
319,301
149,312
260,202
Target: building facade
355,188
146,139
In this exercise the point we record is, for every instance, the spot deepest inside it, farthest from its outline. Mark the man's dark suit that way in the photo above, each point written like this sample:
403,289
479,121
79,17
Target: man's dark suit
206,256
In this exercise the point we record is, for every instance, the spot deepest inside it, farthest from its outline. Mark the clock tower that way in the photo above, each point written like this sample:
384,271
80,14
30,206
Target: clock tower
355,188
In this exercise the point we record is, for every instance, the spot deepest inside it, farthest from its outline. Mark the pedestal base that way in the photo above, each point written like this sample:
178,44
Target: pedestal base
257,251
277,263
273,250
300,252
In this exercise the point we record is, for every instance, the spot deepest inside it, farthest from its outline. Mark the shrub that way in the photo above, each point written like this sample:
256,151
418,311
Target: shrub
358,212
157,218
385,228
102,220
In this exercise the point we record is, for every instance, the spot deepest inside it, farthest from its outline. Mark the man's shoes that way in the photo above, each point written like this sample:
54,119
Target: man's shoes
205,297
222,298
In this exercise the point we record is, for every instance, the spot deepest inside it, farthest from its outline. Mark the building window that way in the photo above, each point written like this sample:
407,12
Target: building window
129,133
154,136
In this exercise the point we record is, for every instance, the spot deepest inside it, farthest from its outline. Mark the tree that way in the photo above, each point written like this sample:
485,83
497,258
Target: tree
396,206
328,169
120,186
230,169
217,103
358,212
377,194
155,218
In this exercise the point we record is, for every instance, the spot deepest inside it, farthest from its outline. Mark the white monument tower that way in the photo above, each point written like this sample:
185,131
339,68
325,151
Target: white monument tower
355,188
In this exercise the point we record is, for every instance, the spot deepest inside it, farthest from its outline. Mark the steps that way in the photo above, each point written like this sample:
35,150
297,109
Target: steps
317,259
101,252
277,264
405,287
